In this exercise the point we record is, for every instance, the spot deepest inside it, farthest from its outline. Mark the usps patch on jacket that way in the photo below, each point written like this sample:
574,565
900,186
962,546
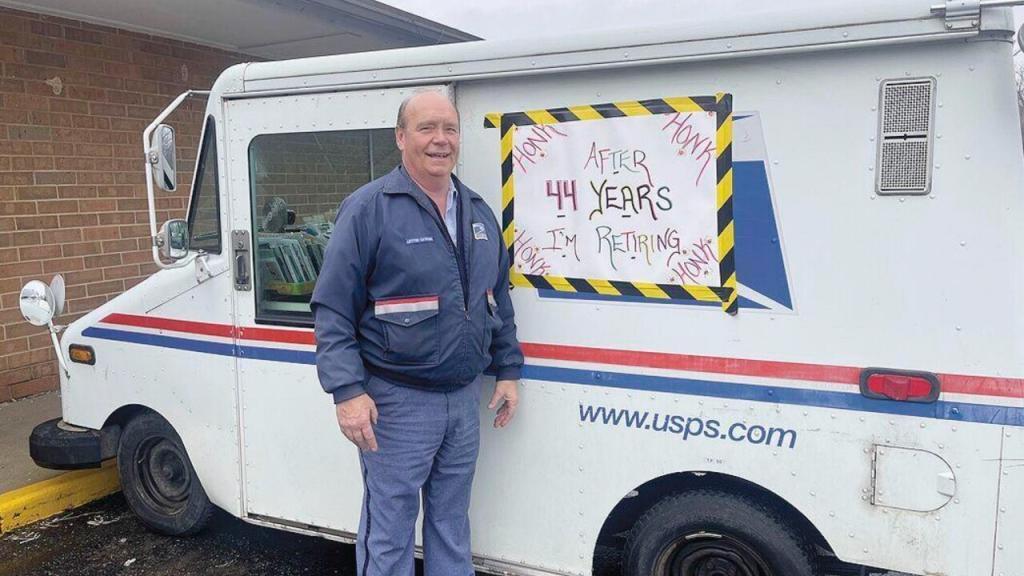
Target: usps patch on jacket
479,232
402,305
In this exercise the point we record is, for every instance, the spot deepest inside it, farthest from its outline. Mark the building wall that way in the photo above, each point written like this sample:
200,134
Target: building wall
74,99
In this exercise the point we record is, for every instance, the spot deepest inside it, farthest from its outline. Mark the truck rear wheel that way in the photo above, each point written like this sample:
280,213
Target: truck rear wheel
709,533
158,480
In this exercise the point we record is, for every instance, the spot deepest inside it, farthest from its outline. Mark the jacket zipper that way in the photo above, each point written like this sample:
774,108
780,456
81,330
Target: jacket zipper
439,221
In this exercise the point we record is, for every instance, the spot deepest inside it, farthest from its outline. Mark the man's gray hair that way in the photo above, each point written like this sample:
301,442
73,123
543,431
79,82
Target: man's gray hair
400,122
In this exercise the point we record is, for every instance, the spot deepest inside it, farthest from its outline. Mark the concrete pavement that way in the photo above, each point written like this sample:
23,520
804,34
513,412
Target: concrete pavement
16,422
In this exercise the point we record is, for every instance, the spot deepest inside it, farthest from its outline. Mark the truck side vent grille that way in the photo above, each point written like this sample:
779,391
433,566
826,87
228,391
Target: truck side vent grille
904,166
906,110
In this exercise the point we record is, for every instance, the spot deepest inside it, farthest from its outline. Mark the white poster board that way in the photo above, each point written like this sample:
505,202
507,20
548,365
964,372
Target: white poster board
629,199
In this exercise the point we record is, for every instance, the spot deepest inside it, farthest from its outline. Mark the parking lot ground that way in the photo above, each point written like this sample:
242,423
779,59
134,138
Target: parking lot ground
105,539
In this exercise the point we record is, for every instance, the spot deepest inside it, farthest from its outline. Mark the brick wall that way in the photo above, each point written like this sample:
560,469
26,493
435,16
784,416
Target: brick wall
74,99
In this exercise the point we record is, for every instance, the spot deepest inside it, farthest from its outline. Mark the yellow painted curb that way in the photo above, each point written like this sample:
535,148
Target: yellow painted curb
49,497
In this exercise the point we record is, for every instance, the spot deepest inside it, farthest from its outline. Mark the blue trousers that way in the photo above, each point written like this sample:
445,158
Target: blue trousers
427,449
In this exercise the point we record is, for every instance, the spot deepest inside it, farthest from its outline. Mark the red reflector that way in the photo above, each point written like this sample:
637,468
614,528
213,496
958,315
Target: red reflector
900,386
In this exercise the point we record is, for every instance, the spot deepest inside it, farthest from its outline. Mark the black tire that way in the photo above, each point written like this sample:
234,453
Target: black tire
158,480
709,533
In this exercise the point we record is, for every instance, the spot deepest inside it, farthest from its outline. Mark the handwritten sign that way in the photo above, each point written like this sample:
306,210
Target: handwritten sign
630,198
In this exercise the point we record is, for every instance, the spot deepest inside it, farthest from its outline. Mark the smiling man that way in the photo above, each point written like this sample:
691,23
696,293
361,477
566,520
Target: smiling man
411,306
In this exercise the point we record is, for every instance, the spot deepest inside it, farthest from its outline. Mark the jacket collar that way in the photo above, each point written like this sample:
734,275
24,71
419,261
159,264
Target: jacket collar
398,181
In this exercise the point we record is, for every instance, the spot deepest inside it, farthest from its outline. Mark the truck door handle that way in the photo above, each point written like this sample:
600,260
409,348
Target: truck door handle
241,269
240,244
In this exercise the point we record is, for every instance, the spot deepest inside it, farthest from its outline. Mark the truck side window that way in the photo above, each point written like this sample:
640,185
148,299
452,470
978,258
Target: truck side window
298,180
204,210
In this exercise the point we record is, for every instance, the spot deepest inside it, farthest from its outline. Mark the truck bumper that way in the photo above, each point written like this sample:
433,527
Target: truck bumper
58,446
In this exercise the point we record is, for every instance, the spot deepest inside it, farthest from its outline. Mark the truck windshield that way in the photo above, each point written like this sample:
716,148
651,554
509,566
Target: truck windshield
297,182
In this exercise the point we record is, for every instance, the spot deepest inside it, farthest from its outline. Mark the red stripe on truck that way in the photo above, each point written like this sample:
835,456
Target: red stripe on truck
953,383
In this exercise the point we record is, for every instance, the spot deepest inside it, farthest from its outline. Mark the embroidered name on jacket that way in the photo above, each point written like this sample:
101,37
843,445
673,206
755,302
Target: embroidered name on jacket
420,240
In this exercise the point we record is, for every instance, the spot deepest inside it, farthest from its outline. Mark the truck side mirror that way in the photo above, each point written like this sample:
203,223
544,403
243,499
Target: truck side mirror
162,156
37,303
173,239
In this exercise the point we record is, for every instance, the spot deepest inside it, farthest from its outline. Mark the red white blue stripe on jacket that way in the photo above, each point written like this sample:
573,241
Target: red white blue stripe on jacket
984,399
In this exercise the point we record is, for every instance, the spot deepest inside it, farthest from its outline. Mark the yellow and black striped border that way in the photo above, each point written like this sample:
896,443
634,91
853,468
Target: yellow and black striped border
721,104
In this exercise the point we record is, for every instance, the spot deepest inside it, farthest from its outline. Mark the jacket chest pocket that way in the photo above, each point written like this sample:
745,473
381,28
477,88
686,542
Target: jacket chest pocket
410,329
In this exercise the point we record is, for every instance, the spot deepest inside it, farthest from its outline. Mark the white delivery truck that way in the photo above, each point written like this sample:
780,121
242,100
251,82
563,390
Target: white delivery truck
767,277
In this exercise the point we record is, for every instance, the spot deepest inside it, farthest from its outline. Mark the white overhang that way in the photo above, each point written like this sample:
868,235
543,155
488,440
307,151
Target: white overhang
267,29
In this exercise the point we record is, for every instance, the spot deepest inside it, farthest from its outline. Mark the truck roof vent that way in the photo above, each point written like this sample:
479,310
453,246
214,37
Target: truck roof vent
906,116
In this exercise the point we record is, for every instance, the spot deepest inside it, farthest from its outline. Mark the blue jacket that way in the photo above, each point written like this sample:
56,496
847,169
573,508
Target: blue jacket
394,300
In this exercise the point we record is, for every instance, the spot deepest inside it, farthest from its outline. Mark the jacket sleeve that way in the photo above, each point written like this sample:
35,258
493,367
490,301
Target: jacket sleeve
506,355
339,299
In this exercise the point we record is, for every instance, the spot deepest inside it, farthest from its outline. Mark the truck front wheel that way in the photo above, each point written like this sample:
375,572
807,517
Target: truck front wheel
158,480
709,533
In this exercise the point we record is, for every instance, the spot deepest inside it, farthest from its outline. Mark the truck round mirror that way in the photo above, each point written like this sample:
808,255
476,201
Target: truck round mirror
57,287
37,303
173,239
162,156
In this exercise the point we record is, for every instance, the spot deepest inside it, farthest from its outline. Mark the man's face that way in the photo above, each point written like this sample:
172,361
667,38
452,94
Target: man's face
429,141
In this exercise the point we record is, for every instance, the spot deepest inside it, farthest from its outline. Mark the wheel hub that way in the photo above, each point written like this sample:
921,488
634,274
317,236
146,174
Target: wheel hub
164,474
706,554
716,566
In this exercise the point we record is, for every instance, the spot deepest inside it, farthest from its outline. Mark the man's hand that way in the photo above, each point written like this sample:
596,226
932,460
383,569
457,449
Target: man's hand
506,392
356,417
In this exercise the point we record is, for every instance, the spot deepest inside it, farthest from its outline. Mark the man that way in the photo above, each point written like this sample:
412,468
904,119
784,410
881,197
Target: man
411,307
